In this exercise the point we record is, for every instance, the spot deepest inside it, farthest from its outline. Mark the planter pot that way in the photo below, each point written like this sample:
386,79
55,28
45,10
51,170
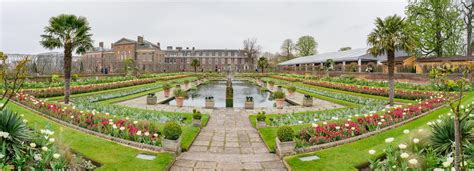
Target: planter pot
249,105
279,88
167,93
209,104
290,94
307,102
197,123
261,124
151,100
280,103
172,145
284,148
186,86
179,101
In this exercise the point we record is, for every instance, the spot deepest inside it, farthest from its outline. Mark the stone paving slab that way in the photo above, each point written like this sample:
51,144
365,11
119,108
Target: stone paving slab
228,142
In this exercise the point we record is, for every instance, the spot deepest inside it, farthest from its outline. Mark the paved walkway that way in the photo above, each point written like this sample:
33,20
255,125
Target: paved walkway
228,142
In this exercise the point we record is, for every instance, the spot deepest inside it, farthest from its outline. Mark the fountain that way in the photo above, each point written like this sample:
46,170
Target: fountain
229,94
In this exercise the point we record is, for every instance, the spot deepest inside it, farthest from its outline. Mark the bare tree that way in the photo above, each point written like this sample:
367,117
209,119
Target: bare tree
467,9
287,49
11,79
251,50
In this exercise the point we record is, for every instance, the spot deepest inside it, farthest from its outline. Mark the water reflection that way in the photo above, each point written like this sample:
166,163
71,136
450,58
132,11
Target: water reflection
217,89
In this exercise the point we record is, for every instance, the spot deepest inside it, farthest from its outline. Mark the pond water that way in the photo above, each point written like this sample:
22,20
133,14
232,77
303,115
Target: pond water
242,89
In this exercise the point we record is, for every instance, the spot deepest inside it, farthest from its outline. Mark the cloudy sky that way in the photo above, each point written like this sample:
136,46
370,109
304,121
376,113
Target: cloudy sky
202,23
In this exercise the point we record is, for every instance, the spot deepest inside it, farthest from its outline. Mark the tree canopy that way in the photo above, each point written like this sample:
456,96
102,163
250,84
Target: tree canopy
437,25
306,46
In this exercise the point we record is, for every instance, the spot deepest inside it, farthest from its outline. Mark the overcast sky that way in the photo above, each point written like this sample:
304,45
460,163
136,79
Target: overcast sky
202,24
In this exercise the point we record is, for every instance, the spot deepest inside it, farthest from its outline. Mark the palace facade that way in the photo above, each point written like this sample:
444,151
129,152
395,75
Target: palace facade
149,57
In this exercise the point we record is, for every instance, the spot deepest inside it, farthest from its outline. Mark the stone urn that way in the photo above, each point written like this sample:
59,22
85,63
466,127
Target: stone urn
179,101
151,99
261,124
280,103
166,92
307,101
171,145
209,102
284,148
197,122
249,104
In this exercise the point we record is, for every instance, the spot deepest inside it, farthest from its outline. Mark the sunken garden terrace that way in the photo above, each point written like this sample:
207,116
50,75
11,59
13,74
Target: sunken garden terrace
238,121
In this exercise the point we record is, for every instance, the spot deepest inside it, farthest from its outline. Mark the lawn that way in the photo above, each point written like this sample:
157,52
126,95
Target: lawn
345,92
348,156
111,155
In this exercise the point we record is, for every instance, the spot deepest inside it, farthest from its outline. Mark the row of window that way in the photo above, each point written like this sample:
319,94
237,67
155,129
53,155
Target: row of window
202,53
204,61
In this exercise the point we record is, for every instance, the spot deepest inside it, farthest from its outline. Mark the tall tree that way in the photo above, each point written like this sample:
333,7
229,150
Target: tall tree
345,48
251,50
287,49
195,64
390,35
467,9
262,63
437,25
71,33
306,46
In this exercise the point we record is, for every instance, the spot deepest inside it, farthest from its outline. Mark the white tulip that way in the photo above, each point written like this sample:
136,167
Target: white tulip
371,152
32,145
404,155
56,155
413,161
406,131
416,140
402,146
389,140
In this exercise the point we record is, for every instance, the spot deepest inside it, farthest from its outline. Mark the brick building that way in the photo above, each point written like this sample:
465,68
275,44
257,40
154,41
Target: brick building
210,59
150,58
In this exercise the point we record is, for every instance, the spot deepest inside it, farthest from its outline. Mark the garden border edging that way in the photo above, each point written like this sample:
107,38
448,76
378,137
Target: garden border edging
139,146
363,136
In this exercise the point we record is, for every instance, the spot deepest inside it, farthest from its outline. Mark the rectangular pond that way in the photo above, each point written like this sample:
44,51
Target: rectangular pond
217,89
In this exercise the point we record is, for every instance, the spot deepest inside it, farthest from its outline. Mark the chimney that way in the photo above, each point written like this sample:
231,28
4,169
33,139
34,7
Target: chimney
158,44
187,48
140,39
193,48
169,47
179,48
111,45
101,44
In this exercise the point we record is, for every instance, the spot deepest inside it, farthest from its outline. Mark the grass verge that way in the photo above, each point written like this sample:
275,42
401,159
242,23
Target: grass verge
356,153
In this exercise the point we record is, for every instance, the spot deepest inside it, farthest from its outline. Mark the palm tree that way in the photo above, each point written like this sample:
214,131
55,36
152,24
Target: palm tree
71,33
195,63
388,36
262,63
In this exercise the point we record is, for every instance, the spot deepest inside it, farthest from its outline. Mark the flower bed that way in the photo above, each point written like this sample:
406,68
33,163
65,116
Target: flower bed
403,94
332,132
58,91
137,131
380,91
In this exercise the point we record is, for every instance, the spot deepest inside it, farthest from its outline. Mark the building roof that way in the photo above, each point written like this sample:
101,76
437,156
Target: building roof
348,56
445,59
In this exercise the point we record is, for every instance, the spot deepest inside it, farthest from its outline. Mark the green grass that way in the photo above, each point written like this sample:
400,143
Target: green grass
111,155
348,156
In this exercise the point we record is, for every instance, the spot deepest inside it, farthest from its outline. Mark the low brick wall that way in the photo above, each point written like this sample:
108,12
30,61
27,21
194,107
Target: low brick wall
132,144
363,136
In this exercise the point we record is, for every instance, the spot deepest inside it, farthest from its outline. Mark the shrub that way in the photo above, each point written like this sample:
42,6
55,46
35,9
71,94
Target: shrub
166,86
179,92
55,78
271,82
292,89
186,81
285,134
197,114
261,116
172,131
75,77
278,95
